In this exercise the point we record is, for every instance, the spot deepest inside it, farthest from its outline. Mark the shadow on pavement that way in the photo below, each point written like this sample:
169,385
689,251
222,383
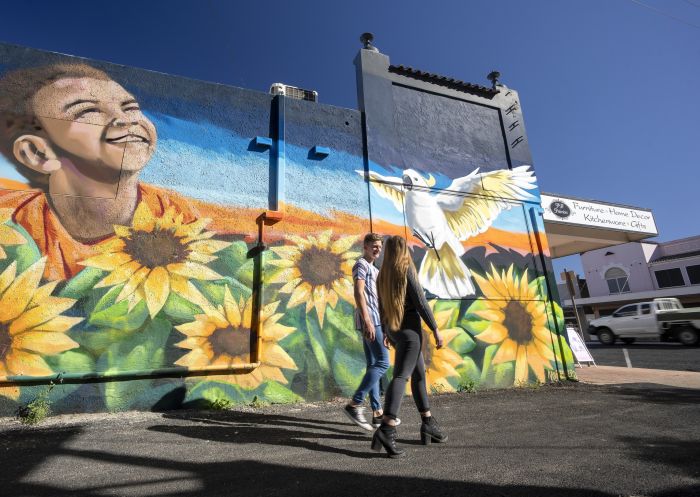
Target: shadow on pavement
644,392
683,455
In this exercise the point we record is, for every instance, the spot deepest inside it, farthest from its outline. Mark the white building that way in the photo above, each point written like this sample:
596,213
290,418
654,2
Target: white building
638,271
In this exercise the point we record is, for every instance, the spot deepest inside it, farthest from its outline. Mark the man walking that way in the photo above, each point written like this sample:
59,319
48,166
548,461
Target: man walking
364,275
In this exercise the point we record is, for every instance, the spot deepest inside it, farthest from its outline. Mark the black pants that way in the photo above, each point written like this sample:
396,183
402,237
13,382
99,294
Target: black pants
408,363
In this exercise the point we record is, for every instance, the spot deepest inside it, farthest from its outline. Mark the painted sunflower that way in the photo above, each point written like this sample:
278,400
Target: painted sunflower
518,323
221,337
8,236
316,270
440,364
31,325
157,255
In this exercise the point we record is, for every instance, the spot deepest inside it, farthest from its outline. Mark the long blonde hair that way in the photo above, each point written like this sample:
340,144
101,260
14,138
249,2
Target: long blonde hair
392,281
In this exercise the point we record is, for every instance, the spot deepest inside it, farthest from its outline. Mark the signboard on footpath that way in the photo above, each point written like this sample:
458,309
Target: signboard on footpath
597,214
581,352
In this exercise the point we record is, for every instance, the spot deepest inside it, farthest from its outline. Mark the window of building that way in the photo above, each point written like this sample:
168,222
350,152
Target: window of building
669,277
626,310
693,274
617,280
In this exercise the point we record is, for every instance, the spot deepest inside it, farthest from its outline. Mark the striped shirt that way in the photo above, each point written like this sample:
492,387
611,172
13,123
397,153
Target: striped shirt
363,270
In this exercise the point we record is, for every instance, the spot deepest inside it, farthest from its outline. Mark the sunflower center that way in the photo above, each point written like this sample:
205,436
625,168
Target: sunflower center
155,249
320,266
518,322
5,341
231,341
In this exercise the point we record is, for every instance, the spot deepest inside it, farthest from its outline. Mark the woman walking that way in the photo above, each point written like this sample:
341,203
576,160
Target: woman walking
402,304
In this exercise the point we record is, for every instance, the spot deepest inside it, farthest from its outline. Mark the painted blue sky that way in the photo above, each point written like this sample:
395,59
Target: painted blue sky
607,87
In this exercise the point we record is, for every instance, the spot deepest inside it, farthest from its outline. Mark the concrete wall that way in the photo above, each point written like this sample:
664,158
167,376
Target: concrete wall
168,242
630,257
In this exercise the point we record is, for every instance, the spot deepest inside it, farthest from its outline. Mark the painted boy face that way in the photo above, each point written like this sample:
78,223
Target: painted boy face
96,124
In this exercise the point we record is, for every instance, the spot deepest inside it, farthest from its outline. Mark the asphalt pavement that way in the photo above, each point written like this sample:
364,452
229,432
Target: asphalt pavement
572,440
650,355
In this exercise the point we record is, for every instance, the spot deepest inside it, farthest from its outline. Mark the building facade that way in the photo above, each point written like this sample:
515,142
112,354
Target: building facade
167,242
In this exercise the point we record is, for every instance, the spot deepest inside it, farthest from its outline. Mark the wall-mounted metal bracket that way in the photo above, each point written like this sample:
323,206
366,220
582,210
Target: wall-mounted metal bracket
262,142
318,152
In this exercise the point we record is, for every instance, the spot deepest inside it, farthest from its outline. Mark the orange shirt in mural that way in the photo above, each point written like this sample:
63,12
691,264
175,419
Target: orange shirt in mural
33,212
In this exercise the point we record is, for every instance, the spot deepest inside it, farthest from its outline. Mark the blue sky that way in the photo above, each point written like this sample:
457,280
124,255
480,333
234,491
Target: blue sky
608,87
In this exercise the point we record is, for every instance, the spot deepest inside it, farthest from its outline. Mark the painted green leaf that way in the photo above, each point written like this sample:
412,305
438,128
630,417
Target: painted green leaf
341,321
486,369
277,394
347,371
97,341
318,346
139,351
72,361
468,370
179,309
25,254
504,374
462,343
230,259
449,305
205,392
78,286
111,314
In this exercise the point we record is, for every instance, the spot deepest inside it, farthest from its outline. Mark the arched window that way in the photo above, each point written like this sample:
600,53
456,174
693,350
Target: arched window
617,280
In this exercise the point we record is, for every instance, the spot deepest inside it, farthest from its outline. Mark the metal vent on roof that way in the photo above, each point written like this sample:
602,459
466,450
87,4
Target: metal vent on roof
293,92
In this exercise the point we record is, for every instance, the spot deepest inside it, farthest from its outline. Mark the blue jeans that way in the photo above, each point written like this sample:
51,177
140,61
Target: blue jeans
377,357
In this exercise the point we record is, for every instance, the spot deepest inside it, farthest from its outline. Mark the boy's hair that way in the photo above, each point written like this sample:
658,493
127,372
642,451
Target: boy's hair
371,238
17,88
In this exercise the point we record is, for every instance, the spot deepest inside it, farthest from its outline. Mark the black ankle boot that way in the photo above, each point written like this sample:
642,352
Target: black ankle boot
430,432
385,436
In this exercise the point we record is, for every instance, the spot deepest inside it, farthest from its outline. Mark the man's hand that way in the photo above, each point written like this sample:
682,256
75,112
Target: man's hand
438,339
369,332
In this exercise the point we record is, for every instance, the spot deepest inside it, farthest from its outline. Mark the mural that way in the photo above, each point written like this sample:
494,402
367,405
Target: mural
132,247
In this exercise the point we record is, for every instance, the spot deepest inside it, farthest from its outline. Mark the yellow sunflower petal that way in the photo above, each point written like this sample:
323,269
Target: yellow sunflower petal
506,352
143,220
283,263
320,302
201,327
495,333
232,310
521,366
8,276
107,262
302,293
44,342
8,236
192,229
274,355
343,244
59,324
487,288
18,295
537,364
208,246
343,287
42,293
332,299
156,290
119,275
544,350
193,360
286,251
122,231
286,276
22,363
35,316
133,283
272,373
490,314
275,332
193,270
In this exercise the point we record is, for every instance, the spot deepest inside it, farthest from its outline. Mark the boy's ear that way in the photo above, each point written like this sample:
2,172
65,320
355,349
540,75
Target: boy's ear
35,153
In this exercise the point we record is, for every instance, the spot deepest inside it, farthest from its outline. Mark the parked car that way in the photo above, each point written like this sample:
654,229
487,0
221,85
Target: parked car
665,319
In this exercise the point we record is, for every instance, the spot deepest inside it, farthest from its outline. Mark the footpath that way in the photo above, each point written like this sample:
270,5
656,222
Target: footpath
630,436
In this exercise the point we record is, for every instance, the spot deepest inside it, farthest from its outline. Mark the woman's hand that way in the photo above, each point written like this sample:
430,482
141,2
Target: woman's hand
387,343
438,339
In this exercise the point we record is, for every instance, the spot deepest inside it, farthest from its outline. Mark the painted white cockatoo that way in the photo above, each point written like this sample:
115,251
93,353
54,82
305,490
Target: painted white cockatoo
442,221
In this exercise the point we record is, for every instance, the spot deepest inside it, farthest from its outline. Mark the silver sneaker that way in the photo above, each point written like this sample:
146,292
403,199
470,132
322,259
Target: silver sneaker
357,416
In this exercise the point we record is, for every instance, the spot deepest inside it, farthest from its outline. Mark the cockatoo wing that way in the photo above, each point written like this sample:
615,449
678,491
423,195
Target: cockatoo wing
487,196
388,187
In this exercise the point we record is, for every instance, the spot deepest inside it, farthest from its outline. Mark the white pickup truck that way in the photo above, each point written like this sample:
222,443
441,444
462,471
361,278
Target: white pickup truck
665,319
